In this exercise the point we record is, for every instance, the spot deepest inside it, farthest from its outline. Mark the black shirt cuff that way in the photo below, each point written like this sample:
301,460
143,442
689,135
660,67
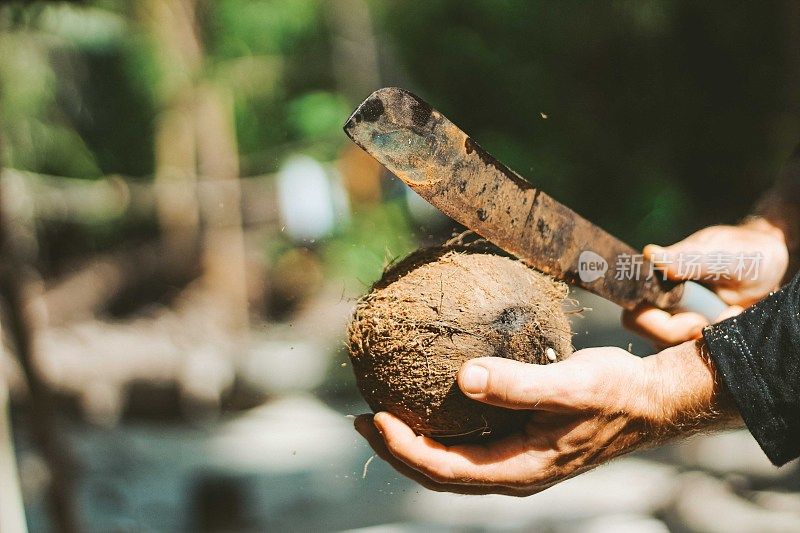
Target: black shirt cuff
740,374
757,356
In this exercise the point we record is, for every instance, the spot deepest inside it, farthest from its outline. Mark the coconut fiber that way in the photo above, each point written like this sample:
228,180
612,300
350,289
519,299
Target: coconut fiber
438,308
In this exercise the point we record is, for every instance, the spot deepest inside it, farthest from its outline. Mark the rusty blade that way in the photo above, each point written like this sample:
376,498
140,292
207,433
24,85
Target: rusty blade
450,170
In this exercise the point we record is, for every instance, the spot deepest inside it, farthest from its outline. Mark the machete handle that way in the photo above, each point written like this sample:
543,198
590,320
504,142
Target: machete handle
699,299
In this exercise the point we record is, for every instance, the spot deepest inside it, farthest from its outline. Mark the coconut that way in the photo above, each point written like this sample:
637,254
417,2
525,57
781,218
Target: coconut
438,308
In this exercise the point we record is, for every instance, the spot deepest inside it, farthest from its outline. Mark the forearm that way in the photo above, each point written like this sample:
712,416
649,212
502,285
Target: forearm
692,397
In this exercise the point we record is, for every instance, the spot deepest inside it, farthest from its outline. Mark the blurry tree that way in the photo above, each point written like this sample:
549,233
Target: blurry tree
87,87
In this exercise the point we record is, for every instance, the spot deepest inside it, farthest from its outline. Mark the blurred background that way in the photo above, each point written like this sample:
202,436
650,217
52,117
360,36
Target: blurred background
185,229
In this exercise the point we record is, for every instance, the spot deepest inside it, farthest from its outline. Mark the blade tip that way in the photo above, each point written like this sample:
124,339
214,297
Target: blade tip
374,106
348,127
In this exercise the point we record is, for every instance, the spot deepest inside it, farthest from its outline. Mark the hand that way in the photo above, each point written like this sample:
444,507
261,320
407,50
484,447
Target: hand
594,406
756,236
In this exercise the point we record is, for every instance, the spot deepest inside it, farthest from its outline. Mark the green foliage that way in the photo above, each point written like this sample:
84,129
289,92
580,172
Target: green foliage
375,237
260,27
70,102
274,55
317,114
33,141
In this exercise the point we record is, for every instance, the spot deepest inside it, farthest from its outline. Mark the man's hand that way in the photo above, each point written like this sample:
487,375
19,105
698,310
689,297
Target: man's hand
594,406
756,236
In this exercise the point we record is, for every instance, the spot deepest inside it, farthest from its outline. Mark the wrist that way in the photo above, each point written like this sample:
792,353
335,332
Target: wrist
688,395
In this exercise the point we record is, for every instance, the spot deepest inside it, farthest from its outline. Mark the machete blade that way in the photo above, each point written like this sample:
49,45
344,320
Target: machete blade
452,172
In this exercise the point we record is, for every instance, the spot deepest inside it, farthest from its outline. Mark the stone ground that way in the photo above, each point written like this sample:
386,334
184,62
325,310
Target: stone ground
295,464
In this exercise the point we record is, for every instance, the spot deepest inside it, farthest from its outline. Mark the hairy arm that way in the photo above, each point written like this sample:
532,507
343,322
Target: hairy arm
699,401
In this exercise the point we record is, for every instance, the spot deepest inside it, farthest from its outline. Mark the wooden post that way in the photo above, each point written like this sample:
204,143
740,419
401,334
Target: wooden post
196,132
20,326
173,27
224,270
12,510
354,49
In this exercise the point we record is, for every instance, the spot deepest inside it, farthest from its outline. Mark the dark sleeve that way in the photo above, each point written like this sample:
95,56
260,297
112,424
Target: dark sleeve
757,355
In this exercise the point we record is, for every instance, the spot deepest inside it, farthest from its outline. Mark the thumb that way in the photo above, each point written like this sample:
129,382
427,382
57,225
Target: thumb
515,385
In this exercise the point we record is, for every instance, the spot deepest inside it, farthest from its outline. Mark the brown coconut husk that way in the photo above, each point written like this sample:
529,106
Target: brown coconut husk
440,307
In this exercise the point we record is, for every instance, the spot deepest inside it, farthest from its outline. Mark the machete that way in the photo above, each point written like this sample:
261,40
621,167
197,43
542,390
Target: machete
451,171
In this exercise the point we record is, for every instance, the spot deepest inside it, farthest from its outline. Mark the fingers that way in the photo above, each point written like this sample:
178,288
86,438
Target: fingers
666,259
365,425
505,463
516,385
666,329
687,260
663,327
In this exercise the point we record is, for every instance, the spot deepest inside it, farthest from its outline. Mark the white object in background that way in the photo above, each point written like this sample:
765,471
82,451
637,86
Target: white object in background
296,433
626,486
280,367
305,199
619,523
339,197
